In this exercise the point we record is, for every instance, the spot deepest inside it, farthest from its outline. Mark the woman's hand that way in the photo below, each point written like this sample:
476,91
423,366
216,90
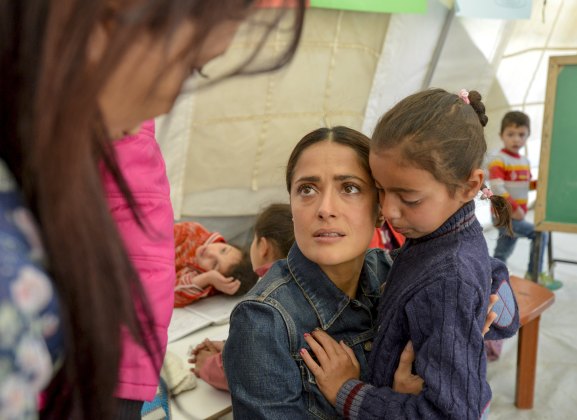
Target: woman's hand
336,363
405,382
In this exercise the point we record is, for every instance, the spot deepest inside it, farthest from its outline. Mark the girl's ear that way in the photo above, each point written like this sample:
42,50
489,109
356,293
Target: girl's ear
473,184
100,37
97,44
263,248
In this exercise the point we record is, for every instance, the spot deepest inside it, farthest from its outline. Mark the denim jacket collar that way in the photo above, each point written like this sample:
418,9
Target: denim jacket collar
327,300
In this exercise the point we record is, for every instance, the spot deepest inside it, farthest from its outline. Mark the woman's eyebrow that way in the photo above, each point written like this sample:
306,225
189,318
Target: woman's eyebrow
311,178
349,177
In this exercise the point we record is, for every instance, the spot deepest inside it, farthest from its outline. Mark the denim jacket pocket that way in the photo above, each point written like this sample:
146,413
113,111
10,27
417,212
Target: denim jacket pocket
317,405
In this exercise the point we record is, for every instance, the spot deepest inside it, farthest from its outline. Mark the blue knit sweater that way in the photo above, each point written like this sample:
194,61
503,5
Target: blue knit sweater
436,295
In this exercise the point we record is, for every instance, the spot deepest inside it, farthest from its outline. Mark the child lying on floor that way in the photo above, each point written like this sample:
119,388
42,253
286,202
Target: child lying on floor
206,265
273,238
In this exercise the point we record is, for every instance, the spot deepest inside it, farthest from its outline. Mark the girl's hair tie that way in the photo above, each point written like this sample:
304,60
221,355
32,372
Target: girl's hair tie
486,193
464,95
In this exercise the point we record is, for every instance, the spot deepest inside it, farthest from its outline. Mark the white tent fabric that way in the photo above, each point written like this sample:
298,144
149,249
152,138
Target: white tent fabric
226,148
239,144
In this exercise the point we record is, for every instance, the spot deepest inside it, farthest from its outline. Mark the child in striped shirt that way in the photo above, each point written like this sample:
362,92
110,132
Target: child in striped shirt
510,177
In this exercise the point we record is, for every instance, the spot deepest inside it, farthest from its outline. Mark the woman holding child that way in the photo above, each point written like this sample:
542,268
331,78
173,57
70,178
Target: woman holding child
328,281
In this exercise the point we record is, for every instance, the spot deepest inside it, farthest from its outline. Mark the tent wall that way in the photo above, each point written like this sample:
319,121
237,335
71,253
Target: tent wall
226,149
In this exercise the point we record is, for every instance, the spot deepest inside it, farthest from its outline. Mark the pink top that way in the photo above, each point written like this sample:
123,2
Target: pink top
150,250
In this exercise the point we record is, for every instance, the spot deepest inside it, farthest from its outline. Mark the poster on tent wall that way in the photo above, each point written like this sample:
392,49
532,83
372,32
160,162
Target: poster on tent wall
274,4
382,6
494,9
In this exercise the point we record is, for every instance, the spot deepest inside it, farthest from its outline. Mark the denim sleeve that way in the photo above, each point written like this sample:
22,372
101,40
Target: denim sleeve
507,322
264,380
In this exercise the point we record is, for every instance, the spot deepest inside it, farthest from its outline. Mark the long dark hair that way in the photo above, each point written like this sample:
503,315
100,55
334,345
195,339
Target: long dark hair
52,141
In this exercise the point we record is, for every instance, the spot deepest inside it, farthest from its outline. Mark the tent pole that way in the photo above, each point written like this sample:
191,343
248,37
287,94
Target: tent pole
438,48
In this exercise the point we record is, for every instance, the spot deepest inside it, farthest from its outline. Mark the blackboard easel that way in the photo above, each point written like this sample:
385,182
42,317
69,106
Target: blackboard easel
556,206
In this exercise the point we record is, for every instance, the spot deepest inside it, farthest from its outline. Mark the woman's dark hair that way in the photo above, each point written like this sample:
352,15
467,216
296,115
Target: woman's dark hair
339,135
439,132
243,271
275,223
53,140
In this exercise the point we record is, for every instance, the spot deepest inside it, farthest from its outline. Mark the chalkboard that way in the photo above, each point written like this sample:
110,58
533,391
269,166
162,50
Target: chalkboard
556,206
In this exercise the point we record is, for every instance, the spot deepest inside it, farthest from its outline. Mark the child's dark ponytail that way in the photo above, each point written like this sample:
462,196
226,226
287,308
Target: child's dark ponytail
501,209
478,106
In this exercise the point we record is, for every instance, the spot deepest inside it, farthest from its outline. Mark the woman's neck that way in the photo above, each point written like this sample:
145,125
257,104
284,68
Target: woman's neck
345,276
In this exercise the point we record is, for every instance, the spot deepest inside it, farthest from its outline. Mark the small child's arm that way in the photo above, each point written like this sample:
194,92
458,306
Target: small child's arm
190,287
222,283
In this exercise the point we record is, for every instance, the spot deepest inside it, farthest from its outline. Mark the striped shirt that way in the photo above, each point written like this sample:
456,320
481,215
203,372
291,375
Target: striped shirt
510,177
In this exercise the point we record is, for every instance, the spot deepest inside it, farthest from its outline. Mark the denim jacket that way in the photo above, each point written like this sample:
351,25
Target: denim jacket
266,374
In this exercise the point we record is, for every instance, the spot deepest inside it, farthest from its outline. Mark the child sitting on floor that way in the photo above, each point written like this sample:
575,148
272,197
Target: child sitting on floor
206,264
273,238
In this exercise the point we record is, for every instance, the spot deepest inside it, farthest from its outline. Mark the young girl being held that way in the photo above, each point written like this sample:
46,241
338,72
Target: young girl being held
273,238
426,158
206,264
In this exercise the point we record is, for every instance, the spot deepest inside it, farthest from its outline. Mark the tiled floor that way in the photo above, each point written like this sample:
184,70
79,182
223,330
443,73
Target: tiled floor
556,383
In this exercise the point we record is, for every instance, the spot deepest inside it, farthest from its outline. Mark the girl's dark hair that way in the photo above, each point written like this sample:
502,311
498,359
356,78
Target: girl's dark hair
243,271
439,132
357,141
53,140
275,223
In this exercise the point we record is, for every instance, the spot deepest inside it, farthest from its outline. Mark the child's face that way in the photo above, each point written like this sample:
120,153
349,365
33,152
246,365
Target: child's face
514,137
333,206
150,75
411,199
218,256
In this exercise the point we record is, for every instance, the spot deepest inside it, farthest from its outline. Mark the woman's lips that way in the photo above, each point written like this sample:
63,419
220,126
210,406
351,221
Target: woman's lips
326,235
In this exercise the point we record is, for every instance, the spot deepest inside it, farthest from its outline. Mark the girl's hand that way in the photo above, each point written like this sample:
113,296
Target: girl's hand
518,214
227,285
202,351
405,382
336,363
199,359
491,316
214,346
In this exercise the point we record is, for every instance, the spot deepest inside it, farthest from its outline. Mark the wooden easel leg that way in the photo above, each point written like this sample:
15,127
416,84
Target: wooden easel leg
527,364
535,256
